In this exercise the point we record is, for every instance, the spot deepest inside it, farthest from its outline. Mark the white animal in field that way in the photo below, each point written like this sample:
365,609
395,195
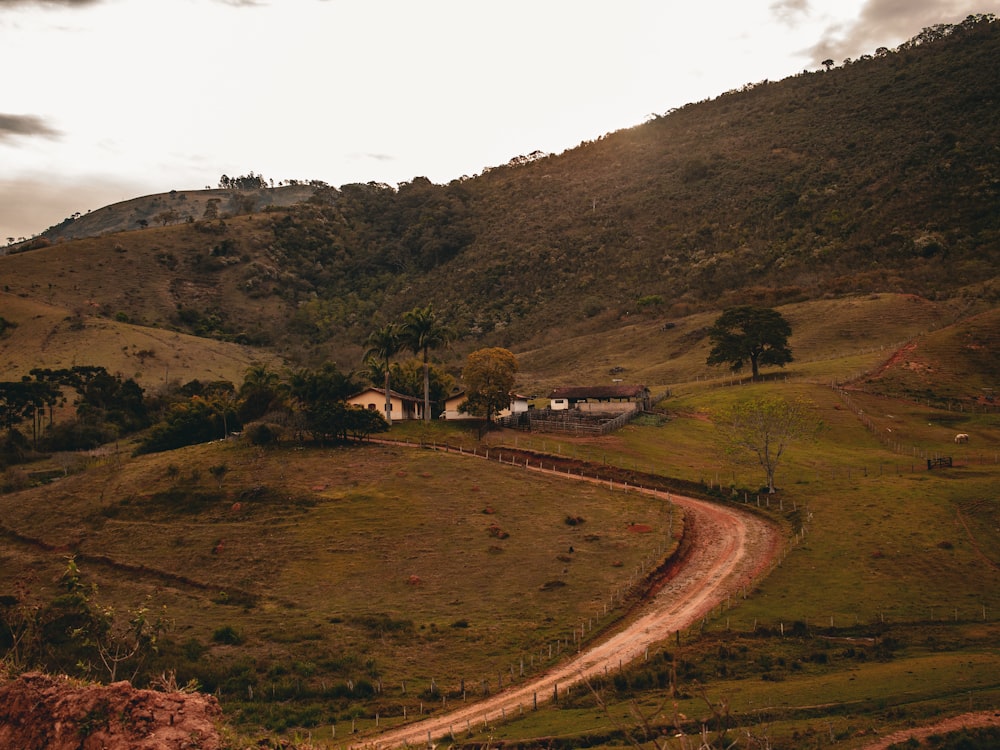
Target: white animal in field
961,438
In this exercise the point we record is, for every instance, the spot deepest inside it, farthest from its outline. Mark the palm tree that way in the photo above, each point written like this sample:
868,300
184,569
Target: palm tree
383,343
422,331
260,392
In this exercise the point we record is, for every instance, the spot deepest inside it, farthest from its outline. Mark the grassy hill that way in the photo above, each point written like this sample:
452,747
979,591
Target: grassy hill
317,589
956,366
175,207
877,176
44,335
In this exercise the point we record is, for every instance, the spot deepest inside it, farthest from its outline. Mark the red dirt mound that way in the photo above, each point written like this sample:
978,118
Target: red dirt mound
41,712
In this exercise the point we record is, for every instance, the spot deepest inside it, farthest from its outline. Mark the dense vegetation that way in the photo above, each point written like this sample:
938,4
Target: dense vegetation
877,175
108,407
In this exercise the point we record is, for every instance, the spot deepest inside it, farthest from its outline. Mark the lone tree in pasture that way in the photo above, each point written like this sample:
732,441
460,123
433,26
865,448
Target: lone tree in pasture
383,345
489,379
423,331
757,334
764,427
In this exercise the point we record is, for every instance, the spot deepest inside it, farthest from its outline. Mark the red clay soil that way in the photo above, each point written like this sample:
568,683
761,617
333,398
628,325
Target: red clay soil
42,712
953,724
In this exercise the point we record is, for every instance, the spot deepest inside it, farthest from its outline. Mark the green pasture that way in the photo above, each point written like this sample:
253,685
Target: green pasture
399,567
885,551
882,536
797,692
319,587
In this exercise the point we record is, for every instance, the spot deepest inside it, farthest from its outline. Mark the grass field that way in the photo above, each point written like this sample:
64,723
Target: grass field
311,587
371,563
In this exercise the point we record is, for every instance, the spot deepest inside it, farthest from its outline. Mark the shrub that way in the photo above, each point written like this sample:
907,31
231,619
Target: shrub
227,635
262,434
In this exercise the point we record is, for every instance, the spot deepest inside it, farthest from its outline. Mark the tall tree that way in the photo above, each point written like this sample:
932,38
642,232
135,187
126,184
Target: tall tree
489,379
383,344
321,396
408,379
260,392
423,331
757,334
764,427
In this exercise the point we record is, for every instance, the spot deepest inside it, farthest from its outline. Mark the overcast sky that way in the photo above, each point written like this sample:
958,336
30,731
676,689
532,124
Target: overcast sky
106,100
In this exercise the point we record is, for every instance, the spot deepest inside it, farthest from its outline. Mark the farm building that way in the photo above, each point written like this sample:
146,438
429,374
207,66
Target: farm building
452,404
402,406
600,399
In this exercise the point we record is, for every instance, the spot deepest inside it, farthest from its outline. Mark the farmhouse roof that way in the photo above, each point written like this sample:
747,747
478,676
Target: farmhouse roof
392,393
581,392
461,394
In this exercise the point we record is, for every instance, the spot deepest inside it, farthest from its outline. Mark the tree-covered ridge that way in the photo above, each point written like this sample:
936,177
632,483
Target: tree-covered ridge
879,174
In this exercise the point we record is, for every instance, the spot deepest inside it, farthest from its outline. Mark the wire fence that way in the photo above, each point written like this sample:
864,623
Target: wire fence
404,699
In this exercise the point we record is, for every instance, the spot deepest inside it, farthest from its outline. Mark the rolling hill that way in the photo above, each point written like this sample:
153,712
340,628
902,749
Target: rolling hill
876,176
326,589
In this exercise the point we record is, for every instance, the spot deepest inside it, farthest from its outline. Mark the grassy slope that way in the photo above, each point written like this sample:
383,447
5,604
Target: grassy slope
50,336
888,548
173,208
352,557
832,339
336,535
150,277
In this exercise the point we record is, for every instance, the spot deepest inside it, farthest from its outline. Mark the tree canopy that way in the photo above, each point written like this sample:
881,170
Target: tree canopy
489,379
423,331
383,344
755,334
764,427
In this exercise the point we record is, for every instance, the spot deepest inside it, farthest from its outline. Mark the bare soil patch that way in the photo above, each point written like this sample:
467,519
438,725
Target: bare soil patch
973,720
41,712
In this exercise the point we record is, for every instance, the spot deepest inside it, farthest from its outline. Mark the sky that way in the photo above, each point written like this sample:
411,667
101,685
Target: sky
106,100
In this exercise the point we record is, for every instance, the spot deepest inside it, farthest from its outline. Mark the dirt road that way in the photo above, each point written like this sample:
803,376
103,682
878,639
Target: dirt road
952,724
730,548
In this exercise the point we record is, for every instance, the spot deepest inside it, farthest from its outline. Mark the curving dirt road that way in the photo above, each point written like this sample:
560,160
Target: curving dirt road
730,549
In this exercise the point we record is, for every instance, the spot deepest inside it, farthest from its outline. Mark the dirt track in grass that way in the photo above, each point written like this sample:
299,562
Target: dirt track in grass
724,549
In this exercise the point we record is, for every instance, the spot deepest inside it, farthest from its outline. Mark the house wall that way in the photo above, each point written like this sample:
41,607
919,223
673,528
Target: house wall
375,400
607,407
451,410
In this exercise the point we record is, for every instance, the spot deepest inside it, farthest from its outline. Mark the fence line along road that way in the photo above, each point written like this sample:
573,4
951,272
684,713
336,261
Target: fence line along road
731,549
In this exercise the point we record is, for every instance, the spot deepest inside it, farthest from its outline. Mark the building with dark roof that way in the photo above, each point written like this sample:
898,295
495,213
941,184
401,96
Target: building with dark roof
600,398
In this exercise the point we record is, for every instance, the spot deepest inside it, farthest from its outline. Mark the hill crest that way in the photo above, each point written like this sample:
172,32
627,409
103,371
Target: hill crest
878,176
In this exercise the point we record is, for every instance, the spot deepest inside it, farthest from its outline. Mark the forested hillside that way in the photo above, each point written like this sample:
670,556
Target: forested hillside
879,174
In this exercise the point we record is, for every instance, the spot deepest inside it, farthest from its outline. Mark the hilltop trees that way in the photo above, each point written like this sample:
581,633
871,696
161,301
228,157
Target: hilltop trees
489,379
744,333
249,181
